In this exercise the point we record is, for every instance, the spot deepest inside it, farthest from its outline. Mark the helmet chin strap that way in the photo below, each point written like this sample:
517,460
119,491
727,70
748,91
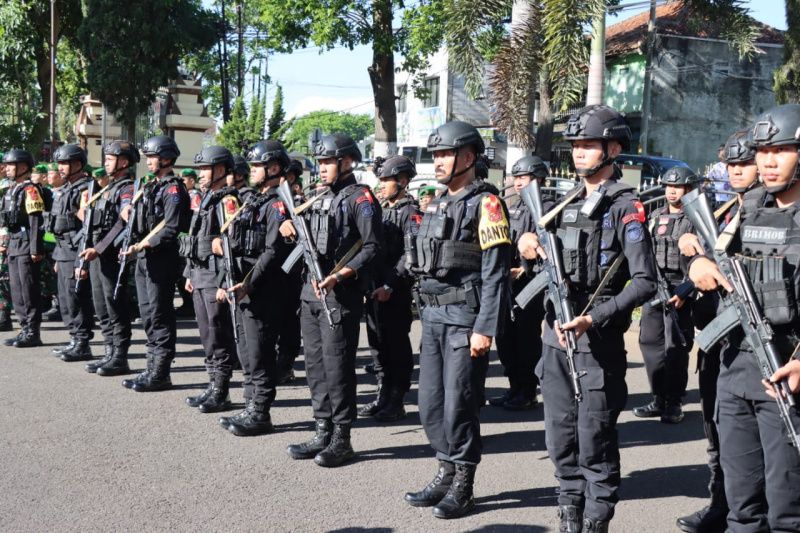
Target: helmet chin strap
453,173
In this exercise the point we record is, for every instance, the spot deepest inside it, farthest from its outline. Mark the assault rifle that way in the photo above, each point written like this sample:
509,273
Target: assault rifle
553,276
227,255
310,255
126,235
662,298
741,307
86,232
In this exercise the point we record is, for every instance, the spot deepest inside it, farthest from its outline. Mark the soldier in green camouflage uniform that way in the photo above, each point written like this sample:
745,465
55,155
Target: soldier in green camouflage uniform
49,280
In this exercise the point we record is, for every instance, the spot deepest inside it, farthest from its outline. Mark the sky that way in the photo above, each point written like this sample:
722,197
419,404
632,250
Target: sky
338,80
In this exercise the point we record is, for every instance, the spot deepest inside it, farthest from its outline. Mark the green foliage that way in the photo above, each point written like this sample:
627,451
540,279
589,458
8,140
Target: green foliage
236,134
258,119
732,15
358,126
276,120
787,77
134,48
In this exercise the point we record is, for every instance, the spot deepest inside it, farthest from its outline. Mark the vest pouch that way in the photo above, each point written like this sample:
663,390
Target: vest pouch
573,252
254,242
460,255
186,246
441,227
771,278
204,248
63,224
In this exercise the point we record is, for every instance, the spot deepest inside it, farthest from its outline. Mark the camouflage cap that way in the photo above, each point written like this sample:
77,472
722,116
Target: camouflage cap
40,168
189,173
52,167
99,173
427,191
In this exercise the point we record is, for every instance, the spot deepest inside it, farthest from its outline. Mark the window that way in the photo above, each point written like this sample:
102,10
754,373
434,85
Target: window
402,92
410,152
431,92
425,156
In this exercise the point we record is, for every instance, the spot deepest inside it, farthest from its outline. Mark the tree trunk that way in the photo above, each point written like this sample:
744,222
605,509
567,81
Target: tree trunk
597,62
544,133
381,75
520,13
42,52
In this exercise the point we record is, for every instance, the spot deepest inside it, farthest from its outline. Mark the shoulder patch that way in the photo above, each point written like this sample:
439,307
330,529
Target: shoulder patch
634,232
493,227
33,200
280,210
639,216
366,197
231,205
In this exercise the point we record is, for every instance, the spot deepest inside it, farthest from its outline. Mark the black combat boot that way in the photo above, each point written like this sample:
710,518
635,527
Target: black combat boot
570,519
195,401
317,443
142,376
226,421
58,350
31,339
5,321
709,518
500,401
673,412
652,409
436,489
256,422
591,525
11,340
80,352
220,398
158,379
54,313
458,501
118,365
339,451
108,351
378,403
393,410
524,399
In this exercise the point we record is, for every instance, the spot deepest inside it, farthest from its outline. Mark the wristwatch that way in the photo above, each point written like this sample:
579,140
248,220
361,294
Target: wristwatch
339,277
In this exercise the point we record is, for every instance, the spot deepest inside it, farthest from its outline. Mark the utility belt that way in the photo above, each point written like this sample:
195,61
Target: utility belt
468,293
196,248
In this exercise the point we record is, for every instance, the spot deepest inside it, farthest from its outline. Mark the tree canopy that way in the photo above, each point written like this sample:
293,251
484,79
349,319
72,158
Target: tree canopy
358,126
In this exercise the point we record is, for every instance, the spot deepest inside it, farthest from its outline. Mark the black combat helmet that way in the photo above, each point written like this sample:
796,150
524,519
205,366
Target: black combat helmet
161,146
395,165
70,152
240,166
295,167
453,135
267,151
779,126
122,148
598,122
337,145
680,176
739,147
214,155
17,155
530,165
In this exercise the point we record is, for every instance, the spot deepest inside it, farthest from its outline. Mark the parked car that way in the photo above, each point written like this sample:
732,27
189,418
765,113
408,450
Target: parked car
645,171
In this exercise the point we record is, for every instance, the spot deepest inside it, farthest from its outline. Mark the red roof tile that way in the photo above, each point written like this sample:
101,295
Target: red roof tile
672,18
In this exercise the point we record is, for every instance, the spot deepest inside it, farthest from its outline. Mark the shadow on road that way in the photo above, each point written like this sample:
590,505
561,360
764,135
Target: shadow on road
685,480
645,432
535,497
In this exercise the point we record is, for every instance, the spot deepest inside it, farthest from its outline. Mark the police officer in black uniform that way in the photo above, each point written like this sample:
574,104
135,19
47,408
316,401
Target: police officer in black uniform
463,253
346,213
119,160
21,214
762,469
389,323
665,344
600,223
204,277
76,306
520,345
740,153
166,201
261,296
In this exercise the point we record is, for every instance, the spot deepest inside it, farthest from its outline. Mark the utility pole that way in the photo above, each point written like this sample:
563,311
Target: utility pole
648,79
52,78
240,58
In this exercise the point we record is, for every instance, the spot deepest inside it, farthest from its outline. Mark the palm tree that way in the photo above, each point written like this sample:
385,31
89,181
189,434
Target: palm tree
545,49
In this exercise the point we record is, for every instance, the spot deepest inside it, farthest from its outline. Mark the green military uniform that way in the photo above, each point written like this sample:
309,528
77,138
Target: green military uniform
5,287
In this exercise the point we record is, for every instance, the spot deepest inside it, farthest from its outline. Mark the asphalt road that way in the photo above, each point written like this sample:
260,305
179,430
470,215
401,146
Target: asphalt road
78,452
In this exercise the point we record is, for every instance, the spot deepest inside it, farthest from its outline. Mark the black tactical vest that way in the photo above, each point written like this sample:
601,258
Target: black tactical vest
249,232
769,239
327,220
204,227
13,215
150,210
106,208
448,236
64,219
666,228
393,244
588,237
